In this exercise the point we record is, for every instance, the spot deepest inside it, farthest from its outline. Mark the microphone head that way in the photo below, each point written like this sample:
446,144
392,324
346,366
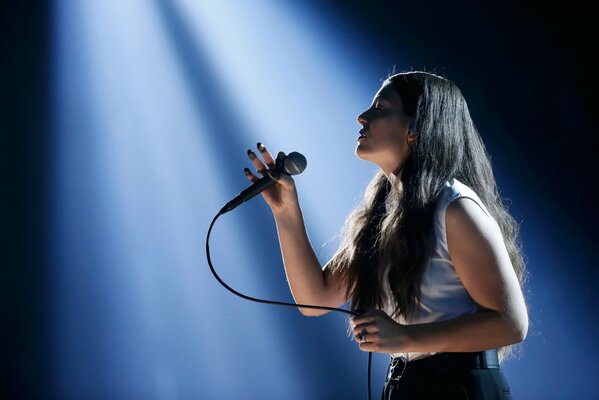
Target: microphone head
294,163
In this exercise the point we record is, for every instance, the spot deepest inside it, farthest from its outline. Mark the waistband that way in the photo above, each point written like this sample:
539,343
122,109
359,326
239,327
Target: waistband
453,360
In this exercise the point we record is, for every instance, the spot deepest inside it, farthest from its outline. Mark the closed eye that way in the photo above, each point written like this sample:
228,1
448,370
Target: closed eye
384,112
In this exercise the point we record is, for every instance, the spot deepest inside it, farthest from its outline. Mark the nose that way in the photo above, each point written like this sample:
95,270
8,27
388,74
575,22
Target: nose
363,118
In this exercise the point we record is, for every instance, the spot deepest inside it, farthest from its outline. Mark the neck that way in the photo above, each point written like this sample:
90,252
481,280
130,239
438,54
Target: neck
393,173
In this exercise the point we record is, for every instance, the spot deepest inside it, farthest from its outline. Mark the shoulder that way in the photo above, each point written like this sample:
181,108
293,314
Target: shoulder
471,230
467,212
467,218
459,197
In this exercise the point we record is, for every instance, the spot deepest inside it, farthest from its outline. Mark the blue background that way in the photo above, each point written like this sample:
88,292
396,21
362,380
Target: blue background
125,129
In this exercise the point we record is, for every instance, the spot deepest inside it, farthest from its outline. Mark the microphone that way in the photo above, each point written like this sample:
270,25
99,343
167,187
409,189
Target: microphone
292,164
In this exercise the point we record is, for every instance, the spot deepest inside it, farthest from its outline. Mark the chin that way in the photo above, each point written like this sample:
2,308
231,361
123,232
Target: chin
360,154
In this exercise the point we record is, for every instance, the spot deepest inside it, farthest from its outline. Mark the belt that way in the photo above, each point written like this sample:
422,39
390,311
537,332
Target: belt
453,360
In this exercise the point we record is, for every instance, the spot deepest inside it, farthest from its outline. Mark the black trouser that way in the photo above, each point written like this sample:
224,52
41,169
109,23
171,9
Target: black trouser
445,376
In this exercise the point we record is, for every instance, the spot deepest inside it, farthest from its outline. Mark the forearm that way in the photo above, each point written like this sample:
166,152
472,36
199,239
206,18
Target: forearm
468,333
303,270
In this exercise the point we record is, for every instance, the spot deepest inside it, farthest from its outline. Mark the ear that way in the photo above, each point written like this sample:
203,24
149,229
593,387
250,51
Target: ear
411,139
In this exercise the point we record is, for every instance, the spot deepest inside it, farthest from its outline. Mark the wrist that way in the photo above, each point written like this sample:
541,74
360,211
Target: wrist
288,215
290,212
407,338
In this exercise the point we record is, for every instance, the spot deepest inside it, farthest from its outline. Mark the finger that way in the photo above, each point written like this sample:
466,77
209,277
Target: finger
362,319
280,155
369,347
253,178
370,327
256,161
285,180
263,172
280,161
362,336
370,338
274,174
270,163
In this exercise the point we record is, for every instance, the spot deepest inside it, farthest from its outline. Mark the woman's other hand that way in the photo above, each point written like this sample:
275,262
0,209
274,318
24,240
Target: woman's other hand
282,195
383,334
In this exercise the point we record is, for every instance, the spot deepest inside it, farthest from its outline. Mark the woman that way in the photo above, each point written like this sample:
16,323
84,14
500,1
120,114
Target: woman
431,253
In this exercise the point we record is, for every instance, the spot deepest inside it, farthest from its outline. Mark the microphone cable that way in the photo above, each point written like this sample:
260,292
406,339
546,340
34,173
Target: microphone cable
356,313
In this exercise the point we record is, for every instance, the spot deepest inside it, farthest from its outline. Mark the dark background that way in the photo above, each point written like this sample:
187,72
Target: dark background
530,67
25,131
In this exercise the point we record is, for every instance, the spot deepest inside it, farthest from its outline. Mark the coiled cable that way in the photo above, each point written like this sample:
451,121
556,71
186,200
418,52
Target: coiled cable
280,303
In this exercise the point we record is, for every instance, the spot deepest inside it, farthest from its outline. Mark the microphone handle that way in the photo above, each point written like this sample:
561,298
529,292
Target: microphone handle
248,193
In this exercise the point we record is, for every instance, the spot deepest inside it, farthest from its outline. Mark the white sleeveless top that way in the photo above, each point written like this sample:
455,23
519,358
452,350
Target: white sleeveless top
444,296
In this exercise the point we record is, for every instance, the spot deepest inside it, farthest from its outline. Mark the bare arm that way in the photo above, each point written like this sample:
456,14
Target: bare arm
483,264
308,282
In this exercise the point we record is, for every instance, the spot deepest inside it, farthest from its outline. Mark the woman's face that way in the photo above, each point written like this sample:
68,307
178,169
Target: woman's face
387,142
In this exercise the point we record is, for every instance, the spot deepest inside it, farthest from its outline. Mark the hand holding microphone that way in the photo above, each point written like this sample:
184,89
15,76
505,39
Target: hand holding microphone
276,185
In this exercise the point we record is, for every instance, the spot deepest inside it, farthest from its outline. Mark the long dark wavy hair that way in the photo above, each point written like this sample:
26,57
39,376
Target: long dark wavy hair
391,229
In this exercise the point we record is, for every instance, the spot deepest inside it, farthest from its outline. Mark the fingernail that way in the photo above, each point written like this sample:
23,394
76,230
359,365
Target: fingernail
251,153
246,170
260,146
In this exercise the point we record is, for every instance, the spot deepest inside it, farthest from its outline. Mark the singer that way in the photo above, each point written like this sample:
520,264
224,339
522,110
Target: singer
431,253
